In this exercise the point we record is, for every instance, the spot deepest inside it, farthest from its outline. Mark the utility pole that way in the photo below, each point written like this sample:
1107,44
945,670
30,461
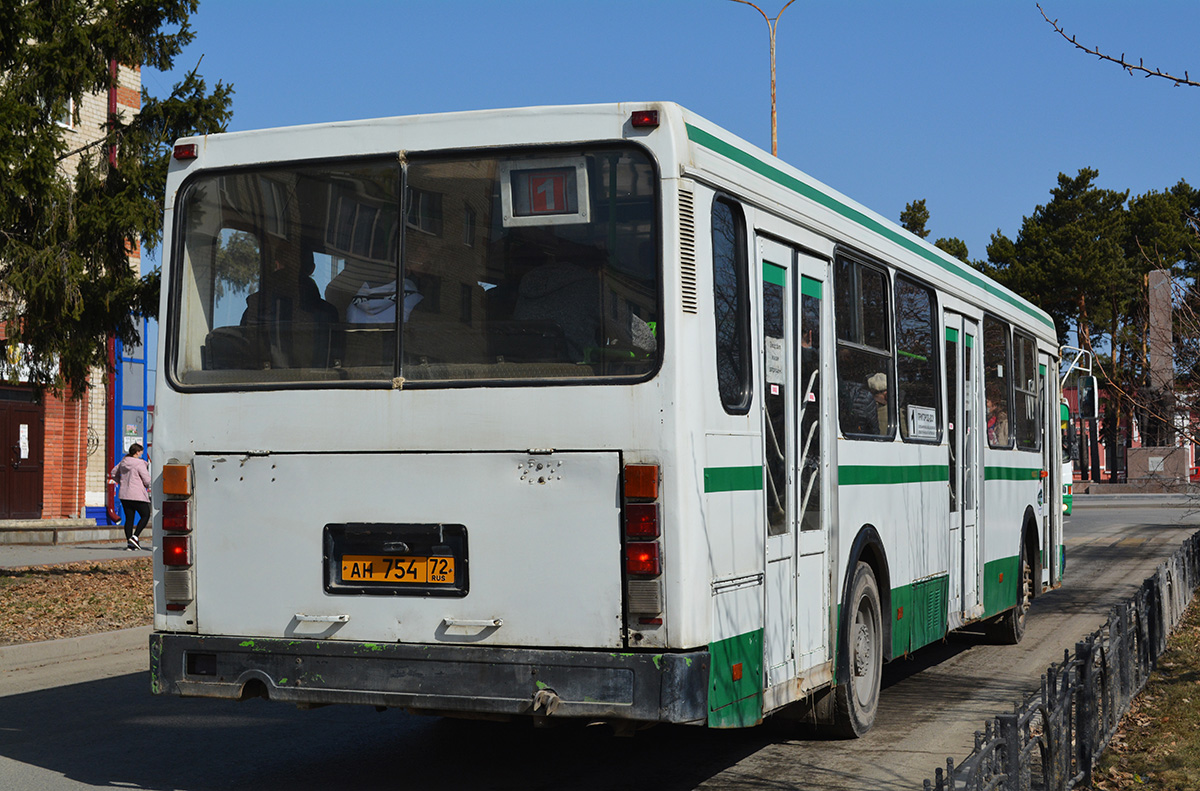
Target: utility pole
772,24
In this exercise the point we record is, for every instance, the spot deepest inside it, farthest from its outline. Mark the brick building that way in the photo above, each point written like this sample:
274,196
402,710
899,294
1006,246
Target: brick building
61,448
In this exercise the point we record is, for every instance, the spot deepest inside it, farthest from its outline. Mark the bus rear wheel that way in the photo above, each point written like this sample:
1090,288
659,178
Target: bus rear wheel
1009,628
856,699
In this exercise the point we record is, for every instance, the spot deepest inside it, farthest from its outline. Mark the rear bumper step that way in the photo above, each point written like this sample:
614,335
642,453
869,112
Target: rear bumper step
666,687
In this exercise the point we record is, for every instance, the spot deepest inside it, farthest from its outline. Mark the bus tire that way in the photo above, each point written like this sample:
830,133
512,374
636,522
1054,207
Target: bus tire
856,700
1009,627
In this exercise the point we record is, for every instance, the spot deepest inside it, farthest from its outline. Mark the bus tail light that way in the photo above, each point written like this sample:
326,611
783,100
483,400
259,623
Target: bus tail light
643,546
176,480
178,576
642,559
176,551
641,520
175,516
641,482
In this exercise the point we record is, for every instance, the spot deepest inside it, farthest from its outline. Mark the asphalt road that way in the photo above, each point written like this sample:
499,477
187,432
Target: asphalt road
92,722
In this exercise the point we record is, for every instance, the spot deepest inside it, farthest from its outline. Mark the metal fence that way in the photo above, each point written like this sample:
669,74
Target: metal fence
1052,740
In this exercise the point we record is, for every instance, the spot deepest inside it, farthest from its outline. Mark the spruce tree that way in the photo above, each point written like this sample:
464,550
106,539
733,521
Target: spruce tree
65,280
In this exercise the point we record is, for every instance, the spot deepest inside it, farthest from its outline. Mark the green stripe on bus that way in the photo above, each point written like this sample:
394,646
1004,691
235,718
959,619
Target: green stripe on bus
1042,370
1000,585
1012,473
858,474
970,341
731,152
810,287
774,273
733,479
952,335
735,672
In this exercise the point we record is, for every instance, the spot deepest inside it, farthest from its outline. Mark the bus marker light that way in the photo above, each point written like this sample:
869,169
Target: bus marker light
176,481
175,516
737,671
641,481
176,607
186,151
900,614
176,551
642,119
650,621
642,558
641,520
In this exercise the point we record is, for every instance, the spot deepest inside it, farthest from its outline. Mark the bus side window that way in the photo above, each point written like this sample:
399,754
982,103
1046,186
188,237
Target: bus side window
1027,415
917,392
997,382
866,406
731,299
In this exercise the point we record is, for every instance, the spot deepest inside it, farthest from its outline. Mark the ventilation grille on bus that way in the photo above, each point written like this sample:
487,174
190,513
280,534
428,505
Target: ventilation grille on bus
687,251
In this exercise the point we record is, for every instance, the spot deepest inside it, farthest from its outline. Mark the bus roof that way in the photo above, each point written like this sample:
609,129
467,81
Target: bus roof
696,144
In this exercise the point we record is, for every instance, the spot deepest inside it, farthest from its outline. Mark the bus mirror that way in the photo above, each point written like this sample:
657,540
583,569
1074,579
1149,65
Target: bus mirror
1088,401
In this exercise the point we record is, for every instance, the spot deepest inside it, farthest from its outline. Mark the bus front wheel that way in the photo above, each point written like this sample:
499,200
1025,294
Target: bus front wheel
856,699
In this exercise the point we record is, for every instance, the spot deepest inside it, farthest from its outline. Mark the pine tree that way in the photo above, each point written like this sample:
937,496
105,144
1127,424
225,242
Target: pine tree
64,239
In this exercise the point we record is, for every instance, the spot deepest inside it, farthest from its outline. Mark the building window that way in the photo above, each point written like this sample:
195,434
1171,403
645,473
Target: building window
731,299
425,211
468,226
866,404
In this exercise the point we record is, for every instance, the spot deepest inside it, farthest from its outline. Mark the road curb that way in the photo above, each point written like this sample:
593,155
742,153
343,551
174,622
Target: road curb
27,656
1138,500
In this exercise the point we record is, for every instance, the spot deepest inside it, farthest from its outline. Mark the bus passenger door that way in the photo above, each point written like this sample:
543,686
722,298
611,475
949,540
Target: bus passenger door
812,492
797,588
964,437
1052,507
778,374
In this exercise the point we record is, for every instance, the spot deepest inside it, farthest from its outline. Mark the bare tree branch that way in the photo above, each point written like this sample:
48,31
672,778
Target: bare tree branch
1124,64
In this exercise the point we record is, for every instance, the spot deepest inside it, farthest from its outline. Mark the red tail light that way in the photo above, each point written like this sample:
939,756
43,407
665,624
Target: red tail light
642,559
176,551
175,516
641,520
644,118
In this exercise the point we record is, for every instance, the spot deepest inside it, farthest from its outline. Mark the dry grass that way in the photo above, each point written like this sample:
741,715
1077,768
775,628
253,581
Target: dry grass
1158,743
49,602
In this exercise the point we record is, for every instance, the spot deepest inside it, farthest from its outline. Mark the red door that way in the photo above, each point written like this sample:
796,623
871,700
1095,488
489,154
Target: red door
21,434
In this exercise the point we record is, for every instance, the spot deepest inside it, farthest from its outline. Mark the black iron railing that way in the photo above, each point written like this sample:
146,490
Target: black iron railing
1052,740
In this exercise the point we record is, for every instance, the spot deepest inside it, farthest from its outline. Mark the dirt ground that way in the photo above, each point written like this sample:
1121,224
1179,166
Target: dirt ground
49,602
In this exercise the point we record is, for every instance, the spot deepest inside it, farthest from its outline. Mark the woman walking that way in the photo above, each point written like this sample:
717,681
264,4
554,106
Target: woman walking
132,475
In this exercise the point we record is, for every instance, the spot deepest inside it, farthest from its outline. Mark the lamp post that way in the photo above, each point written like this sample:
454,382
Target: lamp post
772,24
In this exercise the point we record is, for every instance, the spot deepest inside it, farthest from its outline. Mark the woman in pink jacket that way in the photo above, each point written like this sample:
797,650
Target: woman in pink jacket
133,476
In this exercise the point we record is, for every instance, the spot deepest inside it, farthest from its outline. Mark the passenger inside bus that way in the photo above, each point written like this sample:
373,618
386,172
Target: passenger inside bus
877,384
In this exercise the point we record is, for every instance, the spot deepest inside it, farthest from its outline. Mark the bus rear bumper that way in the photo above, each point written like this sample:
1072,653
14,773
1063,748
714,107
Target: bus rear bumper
450,680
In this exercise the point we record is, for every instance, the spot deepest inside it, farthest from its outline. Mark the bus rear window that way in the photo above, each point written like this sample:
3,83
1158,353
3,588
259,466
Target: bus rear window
523,267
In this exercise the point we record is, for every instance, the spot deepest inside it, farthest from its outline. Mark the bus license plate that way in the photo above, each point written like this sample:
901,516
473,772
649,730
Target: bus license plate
398,568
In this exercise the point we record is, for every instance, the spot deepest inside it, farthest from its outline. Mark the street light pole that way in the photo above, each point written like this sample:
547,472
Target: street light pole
772,24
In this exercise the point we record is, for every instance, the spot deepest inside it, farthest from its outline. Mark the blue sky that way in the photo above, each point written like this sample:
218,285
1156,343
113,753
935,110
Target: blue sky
974,106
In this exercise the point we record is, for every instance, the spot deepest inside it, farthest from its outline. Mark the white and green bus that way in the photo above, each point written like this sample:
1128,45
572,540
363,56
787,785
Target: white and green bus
578,413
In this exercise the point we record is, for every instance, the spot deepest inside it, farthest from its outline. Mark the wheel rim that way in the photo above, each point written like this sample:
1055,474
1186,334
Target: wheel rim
866,654
1026,591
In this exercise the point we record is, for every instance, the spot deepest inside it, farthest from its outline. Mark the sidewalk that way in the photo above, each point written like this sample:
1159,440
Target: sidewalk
1138,500
17,660
17,555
